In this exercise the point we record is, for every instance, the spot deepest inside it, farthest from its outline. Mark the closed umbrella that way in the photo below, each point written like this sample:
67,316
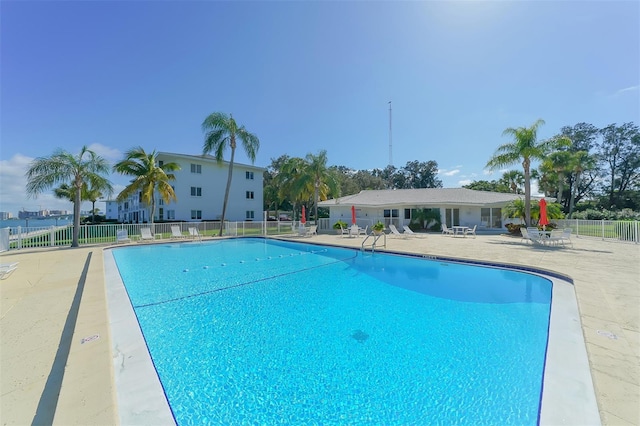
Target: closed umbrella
544,220
353,215
303,218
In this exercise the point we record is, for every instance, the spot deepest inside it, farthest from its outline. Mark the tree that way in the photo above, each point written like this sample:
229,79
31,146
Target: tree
222,131
560,163
517,209
317,179
62,167
580,161
66,192
491,186
422,174
620,150
147,177
514,179
524,147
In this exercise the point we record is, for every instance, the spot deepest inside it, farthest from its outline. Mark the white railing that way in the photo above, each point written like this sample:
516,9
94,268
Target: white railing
611,230
31,237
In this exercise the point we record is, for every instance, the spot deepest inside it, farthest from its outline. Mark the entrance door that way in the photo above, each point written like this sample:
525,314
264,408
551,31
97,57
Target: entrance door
452,217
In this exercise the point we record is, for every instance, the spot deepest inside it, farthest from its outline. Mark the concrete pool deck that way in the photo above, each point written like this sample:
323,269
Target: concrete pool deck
54,370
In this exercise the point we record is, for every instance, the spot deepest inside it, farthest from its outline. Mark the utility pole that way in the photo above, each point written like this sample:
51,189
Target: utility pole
390,139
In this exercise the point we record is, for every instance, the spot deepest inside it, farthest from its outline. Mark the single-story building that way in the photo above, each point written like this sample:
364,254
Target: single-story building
456,206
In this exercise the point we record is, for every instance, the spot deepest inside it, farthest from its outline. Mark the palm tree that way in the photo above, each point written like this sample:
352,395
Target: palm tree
148,177
580,162
221,131
318,179
559,162
514,179
66,192
525,147
85,168
288,181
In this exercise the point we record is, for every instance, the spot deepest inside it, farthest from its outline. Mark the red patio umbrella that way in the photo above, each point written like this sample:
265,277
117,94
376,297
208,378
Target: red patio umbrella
353,215
544,220
303,218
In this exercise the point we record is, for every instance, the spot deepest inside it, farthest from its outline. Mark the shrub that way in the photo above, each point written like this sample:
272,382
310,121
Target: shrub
339,224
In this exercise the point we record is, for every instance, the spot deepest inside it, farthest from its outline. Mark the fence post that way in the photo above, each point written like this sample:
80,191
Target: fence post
52,236
602,222
19,237
635,239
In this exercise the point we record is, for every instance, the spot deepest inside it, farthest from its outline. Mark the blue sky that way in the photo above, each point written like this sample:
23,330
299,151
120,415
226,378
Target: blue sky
306,76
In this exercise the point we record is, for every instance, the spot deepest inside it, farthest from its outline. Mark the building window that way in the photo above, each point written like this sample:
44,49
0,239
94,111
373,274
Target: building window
160,213
160,202
196,191
160,163
171,215
196,214
407,213
250,214
391,213
249,175
196,168
249,195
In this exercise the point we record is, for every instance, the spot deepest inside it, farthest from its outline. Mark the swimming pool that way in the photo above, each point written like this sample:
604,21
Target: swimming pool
258,331
376,347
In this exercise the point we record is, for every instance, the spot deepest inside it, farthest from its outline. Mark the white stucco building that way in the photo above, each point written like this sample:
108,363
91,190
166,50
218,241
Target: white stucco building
200,186
457,206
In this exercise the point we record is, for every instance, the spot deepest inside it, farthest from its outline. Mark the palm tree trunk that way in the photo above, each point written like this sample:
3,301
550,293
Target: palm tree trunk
76,216
93,212
226,192
153,210
315,201
527,193
573,194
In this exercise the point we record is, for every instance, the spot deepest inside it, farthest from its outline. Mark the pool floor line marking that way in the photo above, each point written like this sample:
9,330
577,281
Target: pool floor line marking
243,284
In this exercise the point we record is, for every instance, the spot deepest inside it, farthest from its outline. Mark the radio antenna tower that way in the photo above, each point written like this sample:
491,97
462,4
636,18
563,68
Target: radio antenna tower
390,140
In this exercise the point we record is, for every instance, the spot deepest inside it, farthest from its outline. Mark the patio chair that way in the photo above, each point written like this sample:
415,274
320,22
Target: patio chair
310,231
536,236
562,236
145,234
7,269
345,231
394,230
471,231
525,235
176,232
122,236
408,231
194,233
363,231
446,231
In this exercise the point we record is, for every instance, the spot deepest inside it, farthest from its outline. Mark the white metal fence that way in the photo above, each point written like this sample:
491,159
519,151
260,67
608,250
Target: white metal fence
612,230
52,236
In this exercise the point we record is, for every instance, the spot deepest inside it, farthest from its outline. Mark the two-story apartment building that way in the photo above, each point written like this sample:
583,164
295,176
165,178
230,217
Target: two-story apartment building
200,186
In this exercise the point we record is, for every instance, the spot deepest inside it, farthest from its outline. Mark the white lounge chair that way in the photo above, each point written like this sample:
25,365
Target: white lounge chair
122,236
7,269
176,232
194,233
345,231
408,231
446,231
525,235
145,234
394,230
471,231
310,231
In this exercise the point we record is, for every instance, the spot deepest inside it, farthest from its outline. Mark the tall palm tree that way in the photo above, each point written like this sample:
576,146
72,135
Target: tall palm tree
580,162
147,177
322,179
524,147
85,168
560,162
222,131
288,181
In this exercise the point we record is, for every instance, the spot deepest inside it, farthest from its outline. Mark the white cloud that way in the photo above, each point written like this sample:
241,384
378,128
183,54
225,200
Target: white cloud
627,90
109,154
464,182
451,172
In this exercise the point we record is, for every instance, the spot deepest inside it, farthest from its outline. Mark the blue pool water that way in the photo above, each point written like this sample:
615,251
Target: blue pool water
263,332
